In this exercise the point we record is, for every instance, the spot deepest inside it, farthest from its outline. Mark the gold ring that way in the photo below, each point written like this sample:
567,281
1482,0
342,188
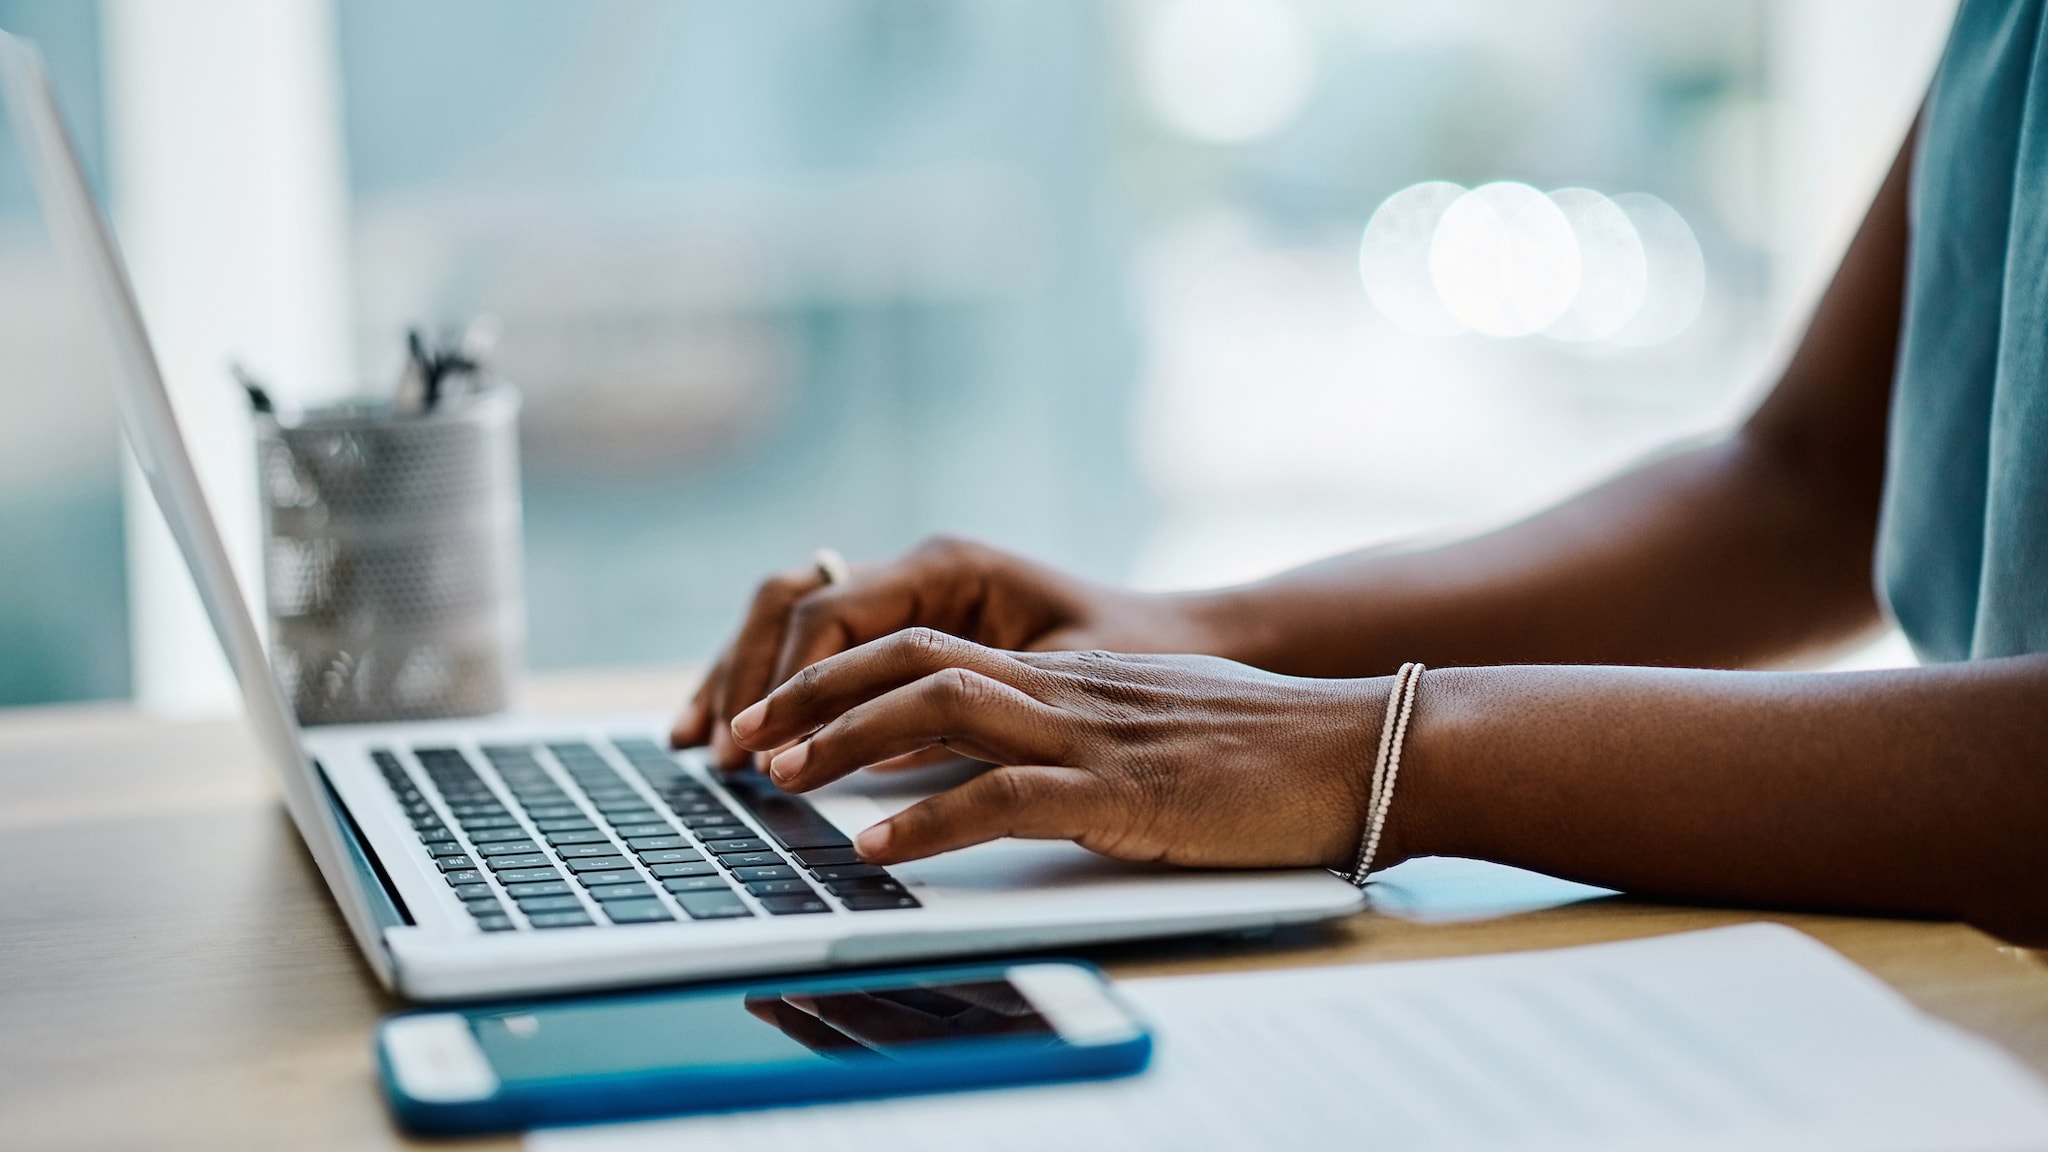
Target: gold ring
831,565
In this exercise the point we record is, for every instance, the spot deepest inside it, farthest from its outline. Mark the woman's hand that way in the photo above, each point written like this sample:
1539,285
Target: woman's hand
1185,759
966,589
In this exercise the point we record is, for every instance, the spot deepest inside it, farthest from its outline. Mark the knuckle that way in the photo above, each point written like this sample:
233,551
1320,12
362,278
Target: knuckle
806,685
947,548
1006,791
961,692
924,646
778,590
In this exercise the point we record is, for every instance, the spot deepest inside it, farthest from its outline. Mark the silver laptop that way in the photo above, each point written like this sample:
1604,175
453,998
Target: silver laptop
514,855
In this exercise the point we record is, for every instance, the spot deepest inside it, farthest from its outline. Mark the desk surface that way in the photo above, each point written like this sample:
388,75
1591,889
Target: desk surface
173,974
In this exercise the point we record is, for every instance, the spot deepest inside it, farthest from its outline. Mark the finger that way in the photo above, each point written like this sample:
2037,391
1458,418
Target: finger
1031,803
923,758
831,686
938,585
966,711
752,655
693,724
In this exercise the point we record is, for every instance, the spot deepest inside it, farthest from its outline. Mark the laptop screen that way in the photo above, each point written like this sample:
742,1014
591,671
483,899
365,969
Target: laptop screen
85,245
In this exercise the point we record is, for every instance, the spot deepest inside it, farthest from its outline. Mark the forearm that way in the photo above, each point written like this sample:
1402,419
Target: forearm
1921,791
1699,559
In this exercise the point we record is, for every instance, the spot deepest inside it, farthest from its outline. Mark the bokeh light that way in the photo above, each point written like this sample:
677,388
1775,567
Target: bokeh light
1676,272
1226,71
1393,258
1507,260
1504,260
1613,275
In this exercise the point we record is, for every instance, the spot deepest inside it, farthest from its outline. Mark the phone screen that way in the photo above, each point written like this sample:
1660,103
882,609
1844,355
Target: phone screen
749,1026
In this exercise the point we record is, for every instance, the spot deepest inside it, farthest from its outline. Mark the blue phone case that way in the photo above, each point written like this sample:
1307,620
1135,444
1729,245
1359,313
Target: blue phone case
935,1067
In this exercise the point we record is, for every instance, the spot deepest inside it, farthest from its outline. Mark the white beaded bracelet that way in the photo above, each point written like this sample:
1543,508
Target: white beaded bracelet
1386,766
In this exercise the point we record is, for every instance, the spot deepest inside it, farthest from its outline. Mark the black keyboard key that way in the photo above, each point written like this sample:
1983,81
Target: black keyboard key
440,848
822,857
429,827
578,836
514,876
791,820
750,860
497,835
627,817
585,851
885,884
682,884
654,843
726,832
479,823
538,888
583,864
668,855
608,878
793,905
642,831
877,901
545,813
465,811
687,868
606,893
574,823
702,822
705,807
534,905
735,847
484,906
779,888
509,848
463,876
516,862
453,863
647,911
495,923
474,891
771,872
559,920
833,872
550,800
712,905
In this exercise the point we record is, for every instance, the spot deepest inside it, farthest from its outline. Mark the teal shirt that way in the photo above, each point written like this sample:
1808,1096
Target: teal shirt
1963,544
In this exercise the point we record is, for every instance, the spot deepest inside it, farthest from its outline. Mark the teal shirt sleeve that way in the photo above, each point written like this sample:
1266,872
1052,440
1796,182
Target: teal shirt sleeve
1963,542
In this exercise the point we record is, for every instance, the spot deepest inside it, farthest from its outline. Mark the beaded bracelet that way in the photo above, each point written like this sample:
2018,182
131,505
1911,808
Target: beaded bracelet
1385,768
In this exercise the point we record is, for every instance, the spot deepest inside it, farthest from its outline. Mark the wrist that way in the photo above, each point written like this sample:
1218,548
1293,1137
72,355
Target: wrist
1223,622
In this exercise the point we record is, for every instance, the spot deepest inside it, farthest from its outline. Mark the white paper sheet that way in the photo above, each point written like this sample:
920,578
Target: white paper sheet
1754,1037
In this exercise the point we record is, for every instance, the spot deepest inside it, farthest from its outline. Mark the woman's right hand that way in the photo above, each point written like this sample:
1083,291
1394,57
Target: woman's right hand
967,589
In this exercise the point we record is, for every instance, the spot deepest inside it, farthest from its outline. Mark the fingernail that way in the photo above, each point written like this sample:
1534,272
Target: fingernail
784,768
872,842
749,721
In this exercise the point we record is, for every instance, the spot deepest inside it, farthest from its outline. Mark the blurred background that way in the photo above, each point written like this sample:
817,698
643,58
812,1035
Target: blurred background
1172,292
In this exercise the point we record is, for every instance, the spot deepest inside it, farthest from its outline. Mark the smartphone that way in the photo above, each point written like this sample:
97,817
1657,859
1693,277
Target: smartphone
778,1041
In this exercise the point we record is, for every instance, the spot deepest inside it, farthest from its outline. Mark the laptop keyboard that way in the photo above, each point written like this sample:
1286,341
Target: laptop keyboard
600,850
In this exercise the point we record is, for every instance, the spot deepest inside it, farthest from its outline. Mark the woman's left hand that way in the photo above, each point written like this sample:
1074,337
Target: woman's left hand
1190,760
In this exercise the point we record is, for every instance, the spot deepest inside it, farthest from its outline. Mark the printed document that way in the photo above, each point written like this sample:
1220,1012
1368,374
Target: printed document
1752,1037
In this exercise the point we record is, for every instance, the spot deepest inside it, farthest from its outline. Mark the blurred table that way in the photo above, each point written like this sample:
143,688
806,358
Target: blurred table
174,975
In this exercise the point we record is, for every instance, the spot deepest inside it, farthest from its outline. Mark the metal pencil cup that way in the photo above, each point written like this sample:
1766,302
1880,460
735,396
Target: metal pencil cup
392,559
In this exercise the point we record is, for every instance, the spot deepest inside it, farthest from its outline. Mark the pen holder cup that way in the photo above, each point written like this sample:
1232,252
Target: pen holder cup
392,559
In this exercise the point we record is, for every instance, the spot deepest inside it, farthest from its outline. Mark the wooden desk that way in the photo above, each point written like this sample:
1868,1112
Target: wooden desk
174,975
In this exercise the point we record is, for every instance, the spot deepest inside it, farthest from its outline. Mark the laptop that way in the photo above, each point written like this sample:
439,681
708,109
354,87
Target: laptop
514,855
